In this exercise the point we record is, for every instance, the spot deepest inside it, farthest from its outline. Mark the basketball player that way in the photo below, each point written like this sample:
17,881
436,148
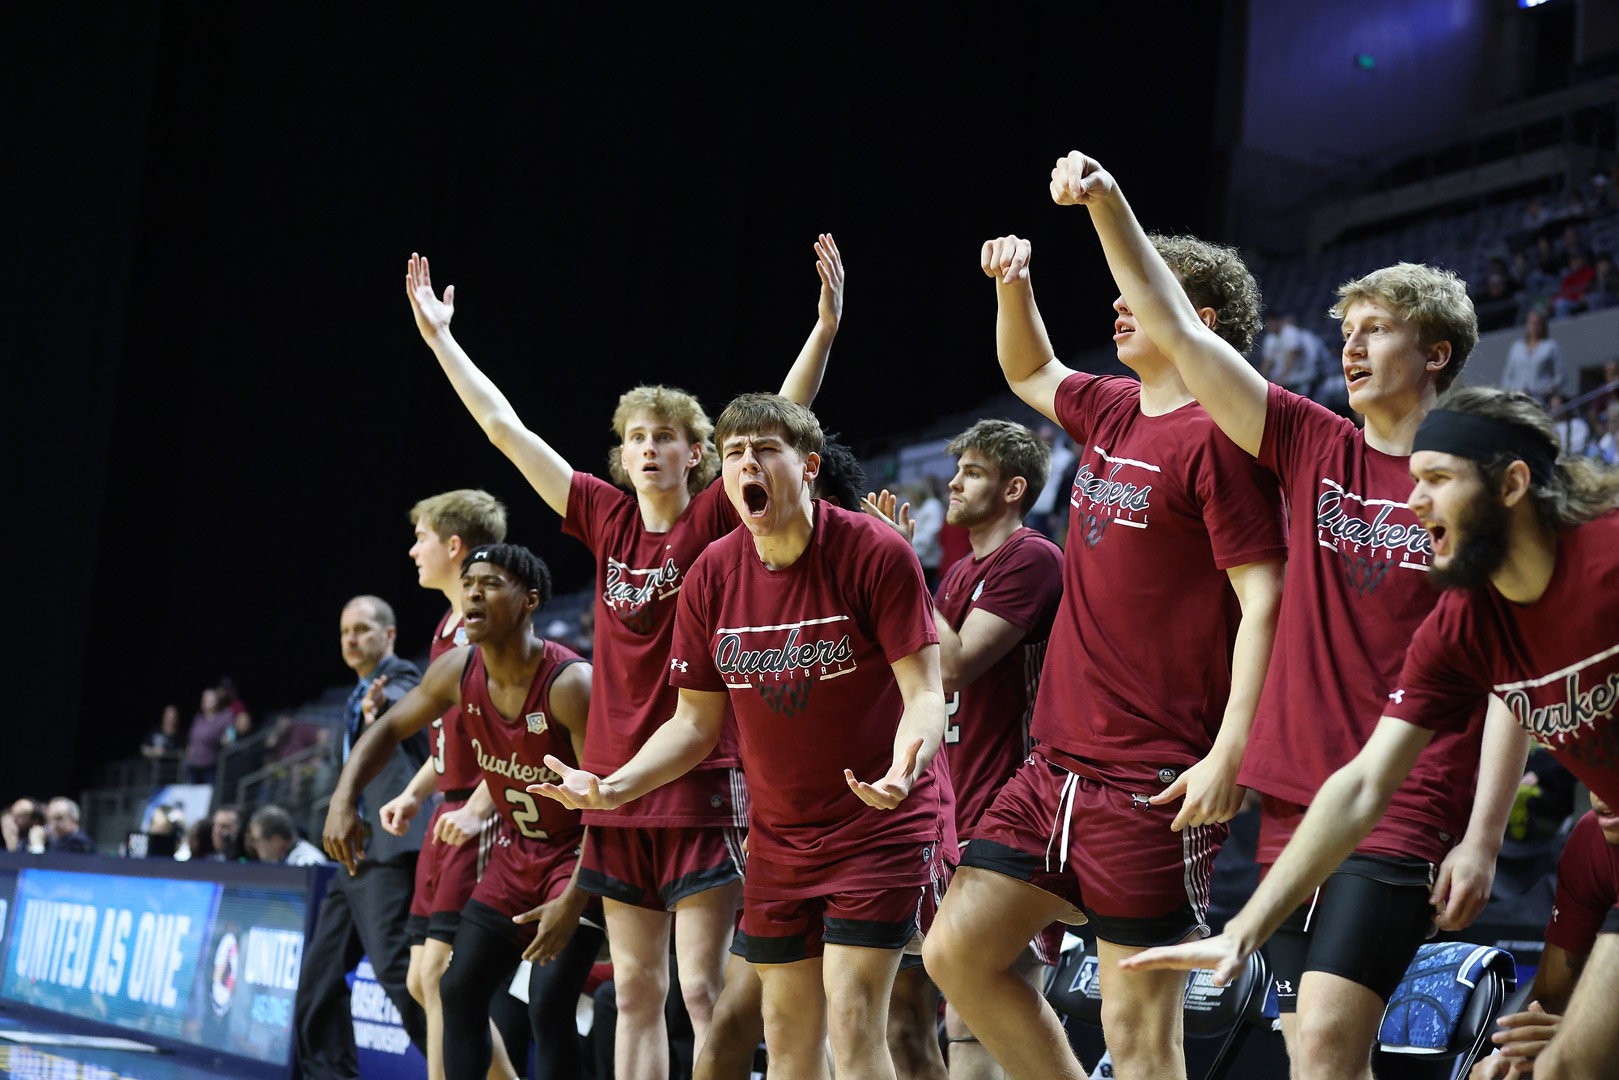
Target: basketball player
522,701
1527,545
677,851
993,611
447,526
1357,590
815,623
1172,575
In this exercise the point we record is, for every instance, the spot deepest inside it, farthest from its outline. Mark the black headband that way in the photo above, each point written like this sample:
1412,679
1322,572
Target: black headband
1479,438
509,558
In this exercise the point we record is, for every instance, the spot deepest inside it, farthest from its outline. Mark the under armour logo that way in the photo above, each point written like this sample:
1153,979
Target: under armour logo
678,665
1283,986
1554,913
1397,697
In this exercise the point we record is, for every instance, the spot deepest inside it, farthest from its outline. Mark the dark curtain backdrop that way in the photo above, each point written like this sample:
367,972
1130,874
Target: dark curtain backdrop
217,410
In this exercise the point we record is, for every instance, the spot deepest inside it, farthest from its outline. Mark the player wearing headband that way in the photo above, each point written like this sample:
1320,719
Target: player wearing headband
446,526
814,623
678,849
1357,588
1527,545
1170,582
522,701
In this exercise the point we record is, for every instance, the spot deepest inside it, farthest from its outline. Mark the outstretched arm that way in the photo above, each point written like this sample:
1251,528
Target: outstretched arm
920,730
1224,383
678,746
803,380
545,469
1462,887
1031,368
1344,811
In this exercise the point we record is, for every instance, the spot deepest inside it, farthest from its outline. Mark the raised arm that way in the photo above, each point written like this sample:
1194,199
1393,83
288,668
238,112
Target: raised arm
803,380
1344,811
678,746
920,731
439,690
1224,383
546,470
1030,365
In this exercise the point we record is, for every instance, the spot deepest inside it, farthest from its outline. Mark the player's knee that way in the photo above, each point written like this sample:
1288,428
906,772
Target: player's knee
909,1036
1136,1035
947,955
639,990
414,985
700,994
854,1019
1324,1048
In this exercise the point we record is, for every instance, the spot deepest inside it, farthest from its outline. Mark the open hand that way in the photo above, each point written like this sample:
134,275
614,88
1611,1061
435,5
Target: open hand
579,790
432,314
344,835
456,827
1524,1035
881,505
1006,259
558,920
398,811
891,790
375,702
1222,954
1078,180
829,264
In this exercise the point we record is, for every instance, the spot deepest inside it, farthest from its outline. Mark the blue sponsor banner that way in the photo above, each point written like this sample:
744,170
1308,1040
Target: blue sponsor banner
248,977
116,949
385,1050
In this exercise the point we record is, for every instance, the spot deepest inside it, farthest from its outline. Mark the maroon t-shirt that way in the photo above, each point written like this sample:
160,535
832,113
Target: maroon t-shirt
1587,888
639,576
805,654
1554,662
510,753
1357,589
987,723
1138,667
452,755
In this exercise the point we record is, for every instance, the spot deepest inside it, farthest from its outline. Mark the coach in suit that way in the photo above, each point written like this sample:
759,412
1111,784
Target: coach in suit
365,913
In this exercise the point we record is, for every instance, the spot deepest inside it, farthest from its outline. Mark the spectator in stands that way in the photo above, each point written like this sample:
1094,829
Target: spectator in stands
229,700
62,818
1607,447
1520,270
1546,258
1570,246
1574,432
271,838
1604,290
199,841
1534,215
1570,298
1496,303
1279,347
167,821
165,739
24,826
928,517
1587,890
1044,516
208,729
1534,363
226,830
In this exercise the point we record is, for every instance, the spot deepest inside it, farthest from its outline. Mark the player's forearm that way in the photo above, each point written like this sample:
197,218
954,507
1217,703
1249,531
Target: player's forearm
677,747
1021,343
480,802
950,654
423,783
1500,771
803,380
1250,656
1344,811
923,719
1587,1040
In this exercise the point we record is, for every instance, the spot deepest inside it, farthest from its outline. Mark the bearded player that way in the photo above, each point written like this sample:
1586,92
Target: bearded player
522,701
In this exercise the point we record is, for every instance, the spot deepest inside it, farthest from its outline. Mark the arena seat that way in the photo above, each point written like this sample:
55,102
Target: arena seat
1439,1020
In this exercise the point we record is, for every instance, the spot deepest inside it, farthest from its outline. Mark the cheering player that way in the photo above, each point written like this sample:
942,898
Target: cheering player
522,702
816,623
447,526
1357,590
678,850
1527,546
1171,578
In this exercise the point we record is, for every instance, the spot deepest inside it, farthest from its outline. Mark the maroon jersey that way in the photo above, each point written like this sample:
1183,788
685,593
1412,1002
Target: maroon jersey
987,723
1587,888
511,751
805,654
639,576
1357,589
1554,662
452,756
1138,667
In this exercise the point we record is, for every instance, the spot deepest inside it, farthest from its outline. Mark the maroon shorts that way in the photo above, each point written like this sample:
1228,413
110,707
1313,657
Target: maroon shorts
792,913
445,876
658,868
1393,838
521,875
1103,849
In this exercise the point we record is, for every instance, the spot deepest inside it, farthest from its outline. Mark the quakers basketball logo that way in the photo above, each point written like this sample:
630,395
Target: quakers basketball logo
1371,536
1116,492
224,988
631,593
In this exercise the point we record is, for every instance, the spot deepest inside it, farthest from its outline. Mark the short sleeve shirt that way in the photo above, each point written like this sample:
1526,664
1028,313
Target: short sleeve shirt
1587,888
639,577
1554,662
987,722
805,653
1138,667
451,753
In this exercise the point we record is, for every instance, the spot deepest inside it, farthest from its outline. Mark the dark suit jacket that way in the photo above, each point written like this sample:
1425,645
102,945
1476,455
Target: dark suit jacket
381,845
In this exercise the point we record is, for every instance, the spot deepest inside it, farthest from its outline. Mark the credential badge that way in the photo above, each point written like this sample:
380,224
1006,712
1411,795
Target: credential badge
536,723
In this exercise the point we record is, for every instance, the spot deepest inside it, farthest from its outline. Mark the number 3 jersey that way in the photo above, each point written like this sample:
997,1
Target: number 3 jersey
511,751
452,759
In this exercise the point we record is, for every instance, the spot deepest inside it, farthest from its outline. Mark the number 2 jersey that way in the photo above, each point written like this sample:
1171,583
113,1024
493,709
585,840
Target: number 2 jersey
510,751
